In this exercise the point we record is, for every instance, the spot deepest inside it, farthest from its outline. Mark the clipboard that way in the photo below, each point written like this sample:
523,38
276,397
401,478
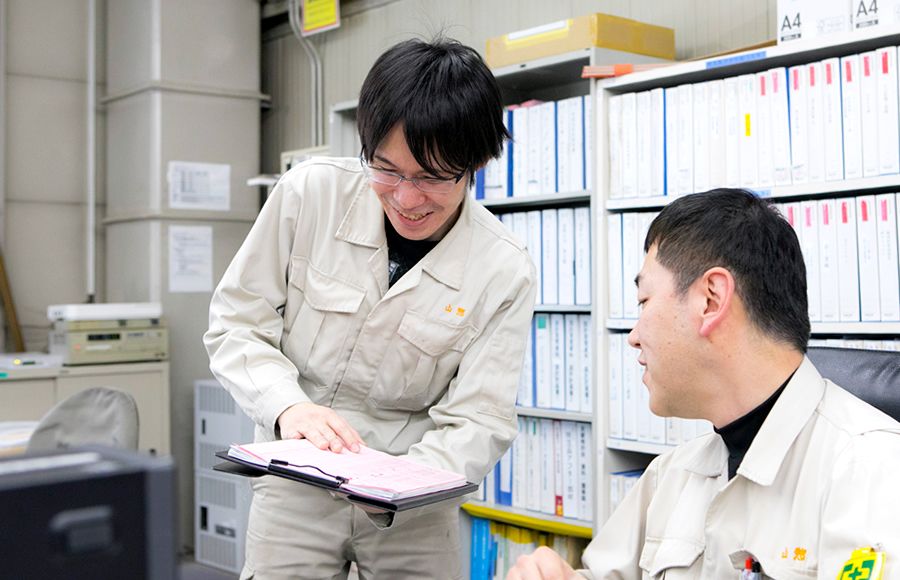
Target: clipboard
236,466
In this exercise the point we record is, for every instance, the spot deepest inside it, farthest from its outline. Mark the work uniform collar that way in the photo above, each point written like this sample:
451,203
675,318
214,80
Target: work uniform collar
363,224
709,458
781,428
774,439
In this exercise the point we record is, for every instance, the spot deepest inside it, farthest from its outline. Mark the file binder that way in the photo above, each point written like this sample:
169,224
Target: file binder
344,486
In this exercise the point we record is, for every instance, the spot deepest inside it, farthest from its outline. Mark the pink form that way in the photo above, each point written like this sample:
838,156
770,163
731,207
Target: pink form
367,470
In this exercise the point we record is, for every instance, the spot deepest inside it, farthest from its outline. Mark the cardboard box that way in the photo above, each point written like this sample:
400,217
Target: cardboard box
592,30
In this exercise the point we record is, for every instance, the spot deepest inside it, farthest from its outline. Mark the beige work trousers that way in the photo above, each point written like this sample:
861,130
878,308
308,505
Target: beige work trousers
302,532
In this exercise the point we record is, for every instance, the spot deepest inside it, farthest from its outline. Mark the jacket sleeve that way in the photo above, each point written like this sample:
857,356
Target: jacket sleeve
616,549
475,420
245,321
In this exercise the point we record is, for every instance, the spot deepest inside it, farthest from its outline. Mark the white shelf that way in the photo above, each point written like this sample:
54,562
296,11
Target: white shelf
626,203
560,64
345,107
536,201
851,187
757,60
817,327
554,414
638,446
856,327
563,308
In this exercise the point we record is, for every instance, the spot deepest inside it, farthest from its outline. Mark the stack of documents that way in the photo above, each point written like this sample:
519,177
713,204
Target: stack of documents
14,436
368,473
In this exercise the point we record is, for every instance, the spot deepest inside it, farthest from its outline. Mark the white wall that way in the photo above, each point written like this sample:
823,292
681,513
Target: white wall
44,241
369,26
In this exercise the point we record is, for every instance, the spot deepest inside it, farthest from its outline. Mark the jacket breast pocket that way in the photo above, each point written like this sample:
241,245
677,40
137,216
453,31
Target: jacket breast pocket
317,335
420,361
669,558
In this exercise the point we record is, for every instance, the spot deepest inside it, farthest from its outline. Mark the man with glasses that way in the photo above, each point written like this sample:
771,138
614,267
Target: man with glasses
375,303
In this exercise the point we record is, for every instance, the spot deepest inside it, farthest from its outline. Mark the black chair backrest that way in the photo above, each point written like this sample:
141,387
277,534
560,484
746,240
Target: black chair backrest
871,375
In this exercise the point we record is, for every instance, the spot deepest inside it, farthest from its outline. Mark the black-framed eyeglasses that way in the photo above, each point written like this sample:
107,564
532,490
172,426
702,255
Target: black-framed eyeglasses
426,184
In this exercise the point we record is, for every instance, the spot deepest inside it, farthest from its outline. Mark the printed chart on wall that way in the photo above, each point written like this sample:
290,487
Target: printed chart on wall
190,259
199,186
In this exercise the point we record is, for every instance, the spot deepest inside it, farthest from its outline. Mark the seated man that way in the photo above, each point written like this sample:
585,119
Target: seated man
798,474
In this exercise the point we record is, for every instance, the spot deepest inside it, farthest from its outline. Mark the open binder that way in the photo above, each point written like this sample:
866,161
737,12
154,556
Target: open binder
370,477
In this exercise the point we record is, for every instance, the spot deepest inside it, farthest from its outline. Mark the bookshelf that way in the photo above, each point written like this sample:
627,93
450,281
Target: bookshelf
617,454
548,79
554,79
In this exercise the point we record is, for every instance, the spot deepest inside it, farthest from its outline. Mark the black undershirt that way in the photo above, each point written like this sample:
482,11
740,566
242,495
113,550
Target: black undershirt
403,254
739,434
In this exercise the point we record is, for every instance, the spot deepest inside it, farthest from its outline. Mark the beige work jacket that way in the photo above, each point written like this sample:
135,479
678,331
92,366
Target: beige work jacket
427,368
819,480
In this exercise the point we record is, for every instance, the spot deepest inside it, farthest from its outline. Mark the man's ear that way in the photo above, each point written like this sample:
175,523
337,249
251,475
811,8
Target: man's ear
717,288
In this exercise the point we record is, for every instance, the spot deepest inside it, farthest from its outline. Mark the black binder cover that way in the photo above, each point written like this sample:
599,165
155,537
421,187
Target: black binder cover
247,469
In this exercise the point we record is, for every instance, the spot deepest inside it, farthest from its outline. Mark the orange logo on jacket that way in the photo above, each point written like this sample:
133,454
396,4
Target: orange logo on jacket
460,311
799,554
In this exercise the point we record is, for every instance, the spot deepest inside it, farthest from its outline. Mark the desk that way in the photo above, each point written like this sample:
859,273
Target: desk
26,394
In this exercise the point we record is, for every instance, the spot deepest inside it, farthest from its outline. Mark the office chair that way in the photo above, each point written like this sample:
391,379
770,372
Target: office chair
94,416
871,375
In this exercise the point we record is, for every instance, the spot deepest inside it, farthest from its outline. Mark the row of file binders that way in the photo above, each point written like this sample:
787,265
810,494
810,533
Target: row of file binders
850,248
549,152
547,470
823,121
626,233
630,417
559,243
496,547
557,367
620,483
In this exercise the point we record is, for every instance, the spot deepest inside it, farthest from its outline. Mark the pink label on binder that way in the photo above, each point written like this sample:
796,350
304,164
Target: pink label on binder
848,71
825,214
844,213
884,210
863,211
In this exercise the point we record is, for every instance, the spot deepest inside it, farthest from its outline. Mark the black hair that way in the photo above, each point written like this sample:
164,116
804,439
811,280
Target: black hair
447,100
735,229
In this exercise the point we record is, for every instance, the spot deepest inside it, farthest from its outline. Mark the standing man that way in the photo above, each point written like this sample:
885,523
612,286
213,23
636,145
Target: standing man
798,474
373,302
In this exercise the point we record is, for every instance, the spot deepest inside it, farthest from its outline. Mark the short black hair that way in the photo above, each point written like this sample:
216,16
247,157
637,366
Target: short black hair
447,100
735,229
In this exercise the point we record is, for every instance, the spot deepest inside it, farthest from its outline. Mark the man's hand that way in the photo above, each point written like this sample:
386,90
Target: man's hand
321,425
542,564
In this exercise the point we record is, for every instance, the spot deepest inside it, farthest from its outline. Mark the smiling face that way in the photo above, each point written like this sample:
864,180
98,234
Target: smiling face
668,345
415,214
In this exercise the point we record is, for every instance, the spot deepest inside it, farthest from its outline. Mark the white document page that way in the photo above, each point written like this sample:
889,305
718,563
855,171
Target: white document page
199,186
190,259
